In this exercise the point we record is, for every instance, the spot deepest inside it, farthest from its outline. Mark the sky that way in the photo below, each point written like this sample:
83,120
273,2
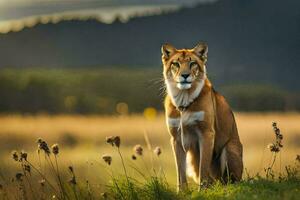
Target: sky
17,14
16,9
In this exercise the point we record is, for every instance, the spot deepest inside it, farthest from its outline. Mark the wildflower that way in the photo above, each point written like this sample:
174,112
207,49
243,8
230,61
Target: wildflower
107,159
19,176
133,157
157,151
298,158
138,149
42,145
15,155
275,147
114,140
55,149
42,182
23,156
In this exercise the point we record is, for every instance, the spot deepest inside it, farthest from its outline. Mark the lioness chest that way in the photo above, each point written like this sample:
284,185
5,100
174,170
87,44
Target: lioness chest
187,126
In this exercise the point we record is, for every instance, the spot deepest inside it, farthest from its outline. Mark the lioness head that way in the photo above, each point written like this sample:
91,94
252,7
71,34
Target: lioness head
184,73
184,68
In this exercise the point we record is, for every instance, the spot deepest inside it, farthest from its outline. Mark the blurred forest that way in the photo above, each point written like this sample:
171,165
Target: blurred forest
73,65
116,91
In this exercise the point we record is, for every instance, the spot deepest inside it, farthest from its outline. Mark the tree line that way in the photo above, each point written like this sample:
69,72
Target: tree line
115,90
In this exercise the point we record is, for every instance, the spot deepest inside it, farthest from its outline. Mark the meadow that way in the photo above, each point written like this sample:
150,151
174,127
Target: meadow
82,144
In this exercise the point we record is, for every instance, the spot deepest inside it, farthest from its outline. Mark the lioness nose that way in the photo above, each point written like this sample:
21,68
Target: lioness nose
185,75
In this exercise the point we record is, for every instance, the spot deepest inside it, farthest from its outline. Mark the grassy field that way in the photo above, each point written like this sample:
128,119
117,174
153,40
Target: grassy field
82,144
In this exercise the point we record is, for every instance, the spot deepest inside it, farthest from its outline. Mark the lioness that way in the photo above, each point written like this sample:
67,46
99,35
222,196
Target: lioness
204,134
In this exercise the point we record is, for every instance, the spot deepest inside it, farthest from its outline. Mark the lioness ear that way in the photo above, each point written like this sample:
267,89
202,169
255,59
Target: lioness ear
167,51
201,51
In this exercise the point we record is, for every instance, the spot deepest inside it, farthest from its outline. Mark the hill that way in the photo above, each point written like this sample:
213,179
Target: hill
254,42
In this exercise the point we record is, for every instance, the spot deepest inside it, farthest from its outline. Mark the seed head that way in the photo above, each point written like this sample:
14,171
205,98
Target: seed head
113,140
19,176
157,151
138,149
27,168
107,159
23,156
273,148
71,169
42,182
42,145
104,195
277,145
73,180
110,140
117,141
133,157
55,149
39,140
15,155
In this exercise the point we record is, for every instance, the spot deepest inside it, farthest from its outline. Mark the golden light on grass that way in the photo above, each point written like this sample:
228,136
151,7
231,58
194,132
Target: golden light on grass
52,181
254,128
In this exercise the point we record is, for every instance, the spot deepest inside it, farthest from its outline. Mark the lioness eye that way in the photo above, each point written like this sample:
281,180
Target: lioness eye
175,65
193,63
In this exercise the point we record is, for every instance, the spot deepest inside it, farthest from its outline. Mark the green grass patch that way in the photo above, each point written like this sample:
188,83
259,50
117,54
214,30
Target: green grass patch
252,189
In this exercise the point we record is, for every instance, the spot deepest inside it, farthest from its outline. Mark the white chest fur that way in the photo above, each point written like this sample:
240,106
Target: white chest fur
183,98
186,118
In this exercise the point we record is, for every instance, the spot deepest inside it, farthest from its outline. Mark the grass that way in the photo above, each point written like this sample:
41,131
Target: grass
76,170
83,137
45,180
254,189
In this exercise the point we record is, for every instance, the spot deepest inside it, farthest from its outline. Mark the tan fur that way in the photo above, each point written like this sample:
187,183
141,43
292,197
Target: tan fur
211,142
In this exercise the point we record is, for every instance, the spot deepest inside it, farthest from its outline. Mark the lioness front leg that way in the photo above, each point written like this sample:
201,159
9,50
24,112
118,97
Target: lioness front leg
206,141
180,158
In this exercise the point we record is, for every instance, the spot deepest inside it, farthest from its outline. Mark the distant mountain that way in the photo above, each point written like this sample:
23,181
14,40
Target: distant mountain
18,9
255,41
